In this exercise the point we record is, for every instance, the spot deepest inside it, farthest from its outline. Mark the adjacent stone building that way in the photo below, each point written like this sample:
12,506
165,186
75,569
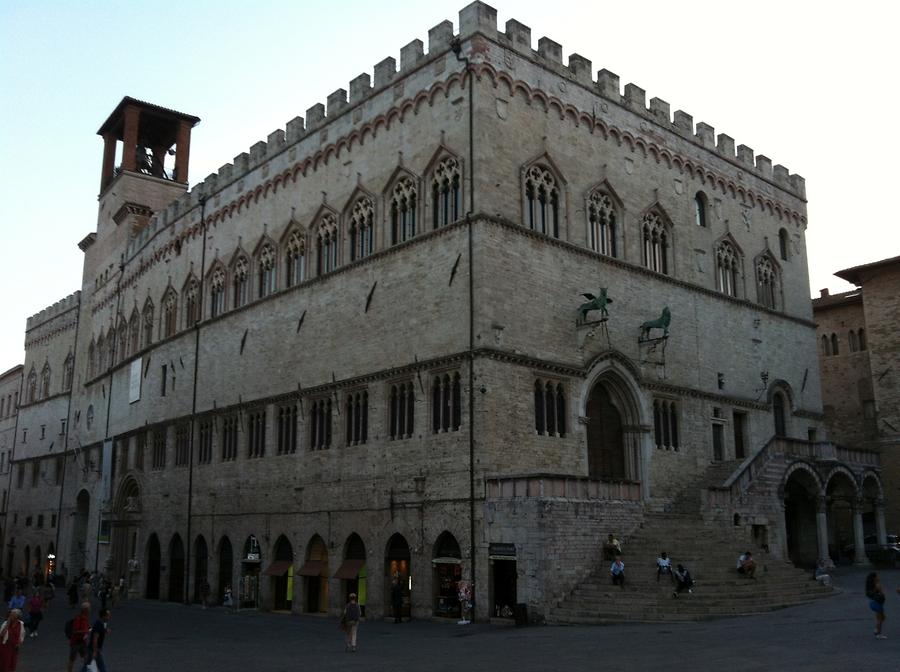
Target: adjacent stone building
859,353
357,354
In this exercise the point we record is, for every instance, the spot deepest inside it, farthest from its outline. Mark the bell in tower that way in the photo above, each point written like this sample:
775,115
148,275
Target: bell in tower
156,142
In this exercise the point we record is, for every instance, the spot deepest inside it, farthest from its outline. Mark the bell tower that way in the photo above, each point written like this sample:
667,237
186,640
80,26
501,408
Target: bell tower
148,134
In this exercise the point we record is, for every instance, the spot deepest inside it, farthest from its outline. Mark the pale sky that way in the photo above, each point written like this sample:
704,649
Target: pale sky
811,85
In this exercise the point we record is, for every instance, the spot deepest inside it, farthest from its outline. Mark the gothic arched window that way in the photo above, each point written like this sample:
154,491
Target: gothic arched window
727,263
45,381
362,229
134,332
147,321
445,192
240,281
31,387
835,345
327,244
767,283
266,270
169,323
826,350
357,418
542,201
783,247
854,343
122,346
295,258
700,209
402,407
68,372
656,243
191,303
404,209
602,223
217,291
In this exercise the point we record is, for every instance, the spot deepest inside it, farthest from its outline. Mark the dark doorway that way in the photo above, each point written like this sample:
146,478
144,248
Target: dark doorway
352,571
226,566
800,495
176,570
397,571
504,584
718,431
283,578
315,574
201,566
778,412
154,557
447,563
606,446
740,423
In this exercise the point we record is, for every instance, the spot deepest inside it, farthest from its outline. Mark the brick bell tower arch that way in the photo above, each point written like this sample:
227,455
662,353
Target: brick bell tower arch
616,423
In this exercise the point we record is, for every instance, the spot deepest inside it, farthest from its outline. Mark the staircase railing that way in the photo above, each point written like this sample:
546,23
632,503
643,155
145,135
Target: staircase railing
742,478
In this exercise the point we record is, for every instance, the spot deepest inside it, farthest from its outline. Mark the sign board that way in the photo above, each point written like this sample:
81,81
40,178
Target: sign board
502,551
134,382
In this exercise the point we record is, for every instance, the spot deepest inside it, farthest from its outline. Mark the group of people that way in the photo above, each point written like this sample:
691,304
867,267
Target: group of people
88,584
679,575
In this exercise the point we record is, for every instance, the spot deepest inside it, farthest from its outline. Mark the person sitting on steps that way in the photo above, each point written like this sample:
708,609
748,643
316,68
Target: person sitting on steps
683,580
746,565
617,572
664,566
611,548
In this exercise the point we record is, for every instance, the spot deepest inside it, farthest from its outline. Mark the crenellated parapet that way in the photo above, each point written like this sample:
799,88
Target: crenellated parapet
59,308
310,133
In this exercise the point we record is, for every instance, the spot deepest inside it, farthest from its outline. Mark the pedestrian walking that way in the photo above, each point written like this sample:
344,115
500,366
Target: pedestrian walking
35,612
227,598
876,596
397,600
48,594
12,634
17,601
78,634
95,643
350,622
73,593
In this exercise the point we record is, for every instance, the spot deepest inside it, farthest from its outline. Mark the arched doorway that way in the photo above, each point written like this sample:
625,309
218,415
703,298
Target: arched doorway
779,414
396,563
201,566
315,576
154,564
352,572
801,498
226,566
78,549
840,498
176,569
250,562
281,572
447,572
606,440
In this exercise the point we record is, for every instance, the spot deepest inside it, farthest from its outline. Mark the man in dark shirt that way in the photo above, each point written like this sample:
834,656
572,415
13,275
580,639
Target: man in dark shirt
98,635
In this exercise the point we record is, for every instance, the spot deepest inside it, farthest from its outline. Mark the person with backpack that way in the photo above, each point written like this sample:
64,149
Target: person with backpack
95,641
350,622
683,580
77,630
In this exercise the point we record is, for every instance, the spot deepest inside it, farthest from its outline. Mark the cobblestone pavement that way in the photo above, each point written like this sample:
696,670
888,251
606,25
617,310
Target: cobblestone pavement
832,634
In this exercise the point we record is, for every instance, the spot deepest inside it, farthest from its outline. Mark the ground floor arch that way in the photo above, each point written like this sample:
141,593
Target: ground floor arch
446,573
154,565
315,576
281,575
251,560
353,572
802,500
398,579
226,567
176,569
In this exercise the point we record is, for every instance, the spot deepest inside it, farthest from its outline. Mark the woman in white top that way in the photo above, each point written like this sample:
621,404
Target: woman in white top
664,566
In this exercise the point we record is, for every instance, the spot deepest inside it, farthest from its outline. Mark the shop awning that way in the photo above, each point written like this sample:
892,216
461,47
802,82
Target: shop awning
311,568
446,561
349,569
278,568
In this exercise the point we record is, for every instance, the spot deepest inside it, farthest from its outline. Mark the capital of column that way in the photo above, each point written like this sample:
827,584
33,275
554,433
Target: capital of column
821,504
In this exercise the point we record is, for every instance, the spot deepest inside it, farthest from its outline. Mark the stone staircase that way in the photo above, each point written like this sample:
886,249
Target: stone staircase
709,549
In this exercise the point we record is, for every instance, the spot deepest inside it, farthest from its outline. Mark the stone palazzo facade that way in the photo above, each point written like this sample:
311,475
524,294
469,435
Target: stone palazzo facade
354,355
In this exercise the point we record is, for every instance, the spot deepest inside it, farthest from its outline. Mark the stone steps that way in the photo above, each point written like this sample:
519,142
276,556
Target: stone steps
709,550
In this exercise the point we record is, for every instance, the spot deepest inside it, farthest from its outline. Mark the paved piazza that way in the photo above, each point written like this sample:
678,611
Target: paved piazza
833,634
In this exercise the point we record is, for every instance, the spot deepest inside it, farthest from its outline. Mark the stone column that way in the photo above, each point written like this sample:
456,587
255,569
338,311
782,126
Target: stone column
822,528
880,525
130,138
781,524
859,543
